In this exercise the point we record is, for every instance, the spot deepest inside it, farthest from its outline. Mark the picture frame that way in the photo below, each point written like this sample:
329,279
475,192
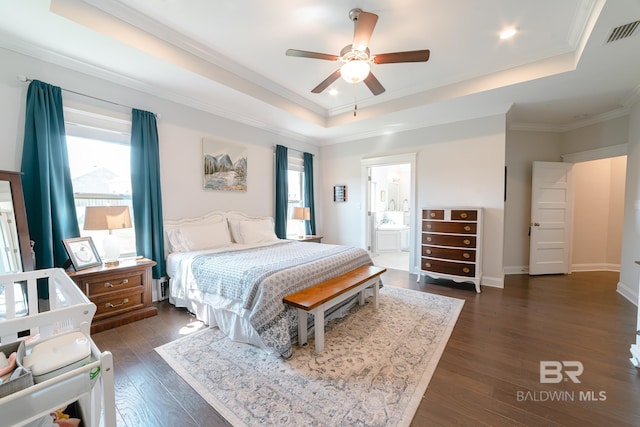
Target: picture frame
225,165
82,252
339,193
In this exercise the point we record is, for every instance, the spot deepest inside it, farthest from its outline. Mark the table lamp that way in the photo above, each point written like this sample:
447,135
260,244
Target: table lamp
302,214
108,218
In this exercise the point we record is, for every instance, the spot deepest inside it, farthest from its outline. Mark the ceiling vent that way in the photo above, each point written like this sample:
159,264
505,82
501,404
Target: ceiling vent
623,31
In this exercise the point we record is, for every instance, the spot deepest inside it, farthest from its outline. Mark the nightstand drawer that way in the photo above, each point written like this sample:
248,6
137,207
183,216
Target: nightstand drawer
117,302
94,287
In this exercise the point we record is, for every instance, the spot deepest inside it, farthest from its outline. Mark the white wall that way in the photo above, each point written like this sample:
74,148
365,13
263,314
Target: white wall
466,156
180,131
629,270
598,213
522,149
616,209
599,135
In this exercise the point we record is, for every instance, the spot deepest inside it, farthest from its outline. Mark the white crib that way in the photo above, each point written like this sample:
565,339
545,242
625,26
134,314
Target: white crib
69,309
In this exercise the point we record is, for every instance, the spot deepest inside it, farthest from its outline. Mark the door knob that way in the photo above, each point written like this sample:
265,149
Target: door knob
536,224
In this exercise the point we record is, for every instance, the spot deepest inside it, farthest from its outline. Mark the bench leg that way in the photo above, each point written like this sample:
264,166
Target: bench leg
376,292
302,327
318,315
361,296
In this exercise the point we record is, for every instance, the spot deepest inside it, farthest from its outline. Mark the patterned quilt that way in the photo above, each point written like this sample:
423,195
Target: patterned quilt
259,278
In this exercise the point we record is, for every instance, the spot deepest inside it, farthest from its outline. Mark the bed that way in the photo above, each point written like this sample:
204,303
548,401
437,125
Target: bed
231,271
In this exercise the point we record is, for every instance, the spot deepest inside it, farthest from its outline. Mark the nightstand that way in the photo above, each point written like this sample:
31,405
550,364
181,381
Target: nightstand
122,293
308,238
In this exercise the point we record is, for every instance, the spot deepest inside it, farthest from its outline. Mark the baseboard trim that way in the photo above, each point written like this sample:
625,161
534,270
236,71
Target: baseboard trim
595,267
524,269
493,282
517,269
629,293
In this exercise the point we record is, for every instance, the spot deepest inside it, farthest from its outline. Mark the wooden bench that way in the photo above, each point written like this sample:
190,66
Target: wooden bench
319,297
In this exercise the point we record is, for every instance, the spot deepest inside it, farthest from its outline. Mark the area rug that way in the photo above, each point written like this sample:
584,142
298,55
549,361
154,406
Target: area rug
373,371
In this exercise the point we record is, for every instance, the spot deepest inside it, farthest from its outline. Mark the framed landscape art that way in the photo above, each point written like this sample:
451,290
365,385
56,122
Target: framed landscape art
224,165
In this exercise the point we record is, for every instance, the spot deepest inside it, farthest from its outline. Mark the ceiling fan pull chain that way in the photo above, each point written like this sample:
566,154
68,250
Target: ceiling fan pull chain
355,101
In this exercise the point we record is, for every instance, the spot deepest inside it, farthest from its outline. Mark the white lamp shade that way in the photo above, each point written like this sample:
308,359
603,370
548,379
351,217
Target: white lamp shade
355,71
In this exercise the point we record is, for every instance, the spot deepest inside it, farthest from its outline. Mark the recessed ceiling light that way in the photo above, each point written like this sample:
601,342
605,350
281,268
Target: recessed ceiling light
333,92
508,33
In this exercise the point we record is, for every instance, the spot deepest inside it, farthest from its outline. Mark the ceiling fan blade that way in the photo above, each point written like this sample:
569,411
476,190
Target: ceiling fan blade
307,54
373,84
409,56
364,25
326,82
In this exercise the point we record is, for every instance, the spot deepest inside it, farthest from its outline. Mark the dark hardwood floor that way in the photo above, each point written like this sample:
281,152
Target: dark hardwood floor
489,373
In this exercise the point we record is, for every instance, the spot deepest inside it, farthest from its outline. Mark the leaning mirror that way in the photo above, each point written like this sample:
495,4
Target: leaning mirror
9,247
15,247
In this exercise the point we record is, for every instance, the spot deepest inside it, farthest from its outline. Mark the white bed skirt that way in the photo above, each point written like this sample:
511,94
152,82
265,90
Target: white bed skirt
233,320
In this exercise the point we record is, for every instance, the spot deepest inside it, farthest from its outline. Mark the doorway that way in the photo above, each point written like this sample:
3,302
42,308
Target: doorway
390,213
595,226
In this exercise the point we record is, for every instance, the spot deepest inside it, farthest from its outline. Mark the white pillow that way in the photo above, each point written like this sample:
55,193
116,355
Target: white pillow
204,236
175,241
234,228
257,231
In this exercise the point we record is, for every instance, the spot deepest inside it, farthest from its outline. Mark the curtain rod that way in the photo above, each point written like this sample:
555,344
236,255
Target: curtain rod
293,149
25,79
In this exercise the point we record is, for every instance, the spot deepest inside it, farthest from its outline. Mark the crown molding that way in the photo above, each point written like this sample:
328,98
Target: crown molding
545,127
597,154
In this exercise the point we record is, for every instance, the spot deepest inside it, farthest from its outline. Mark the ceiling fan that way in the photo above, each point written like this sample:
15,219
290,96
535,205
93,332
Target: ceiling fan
356,58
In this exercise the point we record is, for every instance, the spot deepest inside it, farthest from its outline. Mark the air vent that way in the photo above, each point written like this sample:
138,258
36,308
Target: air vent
623,31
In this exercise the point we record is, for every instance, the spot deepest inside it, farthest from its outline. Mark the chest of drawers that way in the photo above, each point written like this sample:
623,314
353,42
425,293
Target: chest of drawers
122,293
451,244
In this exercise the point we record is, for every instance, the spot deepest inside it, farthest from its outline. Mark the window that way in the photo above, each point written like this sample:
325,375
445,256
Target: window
295,193
99,161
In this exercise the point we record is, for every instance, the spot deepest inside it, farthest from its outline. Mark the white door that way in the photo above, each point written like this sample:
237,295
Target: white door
551,216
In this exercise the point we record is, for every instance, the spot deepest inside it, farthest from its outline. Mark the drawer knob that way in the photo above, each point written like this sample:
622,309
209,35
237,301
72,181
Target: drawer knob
433,214
109,305
466,255
467,228
429,226
466,241
111,285
428,239
465,270
463,215
428,251
427,264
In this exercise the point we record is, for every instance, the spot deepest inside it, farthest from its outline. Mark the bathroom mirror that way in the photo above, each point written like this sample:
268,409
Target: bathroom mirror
15,245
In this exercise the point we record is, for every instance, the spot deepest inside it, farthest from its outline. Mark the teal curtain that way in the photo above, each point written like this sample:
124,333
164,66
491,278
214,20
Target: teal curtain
145,187
282,191
46,180
310,226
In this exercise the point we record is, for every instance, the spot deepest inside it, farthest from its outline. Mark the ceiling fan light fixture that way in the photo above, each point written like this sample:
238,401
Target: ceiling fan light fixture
355,71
